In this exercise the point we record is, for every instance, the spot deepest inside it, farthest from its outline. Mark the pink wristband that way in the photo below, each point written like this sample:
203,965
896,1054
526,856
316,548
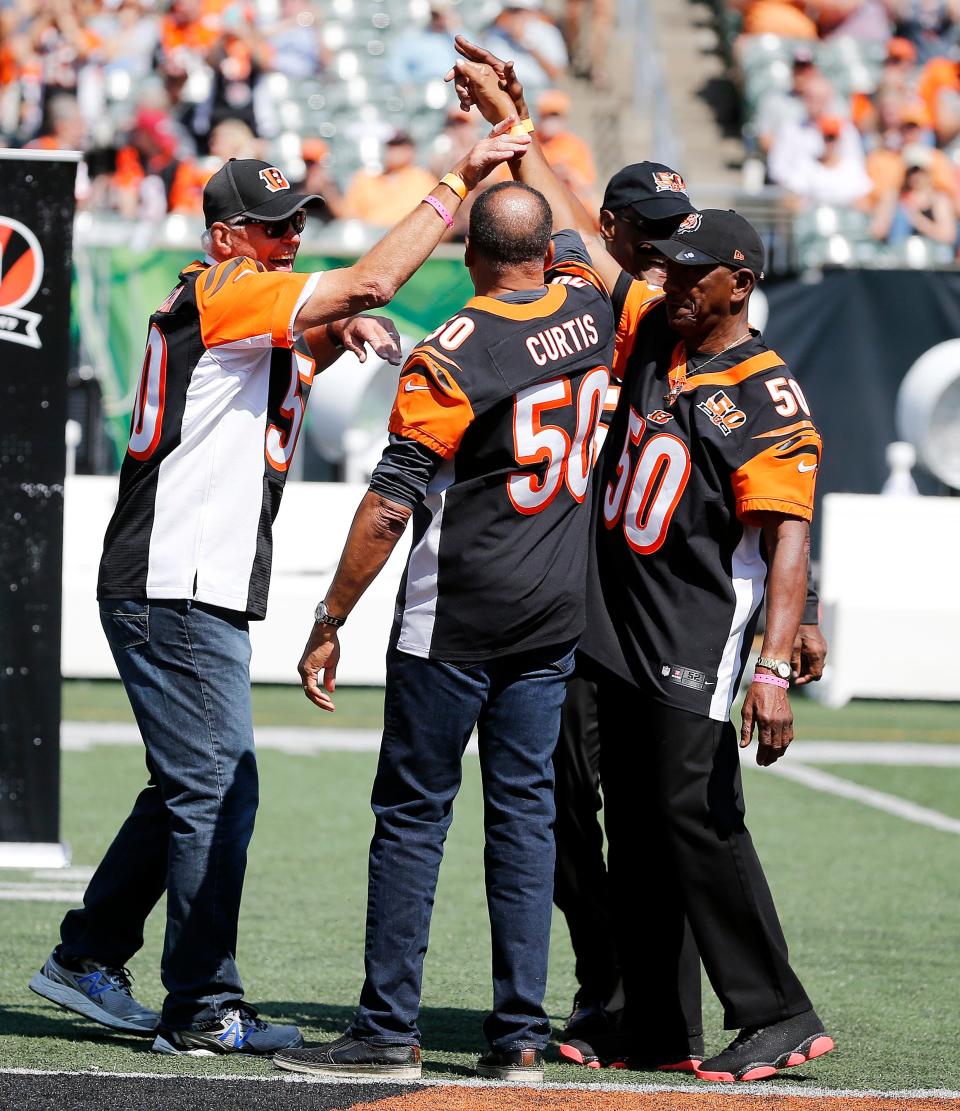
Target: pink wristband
440,209
773,680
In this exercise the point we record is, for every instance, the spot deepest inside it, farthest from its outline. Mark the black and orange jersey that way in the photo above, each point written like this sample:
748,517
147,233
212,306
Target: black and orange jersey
680,564
633,299
506,397
215,421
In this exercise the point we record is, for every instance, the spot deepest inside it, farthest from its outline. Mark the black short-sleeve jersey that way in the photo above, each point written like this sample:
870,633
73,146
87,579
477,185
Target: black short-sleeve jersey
508,395
680,564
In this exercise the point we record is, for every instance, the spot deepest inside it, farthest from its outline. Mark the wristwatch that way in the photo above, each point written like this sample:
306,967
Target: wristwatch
778,667
323,616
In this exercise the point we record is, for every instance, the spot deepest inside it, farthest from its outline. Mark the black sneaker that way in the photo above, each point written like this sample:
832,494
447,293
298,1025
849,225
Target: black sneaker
524,1063
643,1055
761,1051
586,1038
354,1057
575,1051
237,1030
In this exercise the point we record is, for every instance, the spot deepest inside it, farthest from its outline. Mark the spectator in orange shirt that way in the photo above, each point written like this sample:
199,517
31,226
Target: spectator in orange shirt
887,164
565,151
787,18
385,198
897,86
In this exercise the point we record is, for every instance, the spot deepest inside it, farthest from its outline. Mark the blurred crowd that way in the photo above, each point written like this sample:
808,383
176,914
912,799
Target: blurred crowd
868,117
346,95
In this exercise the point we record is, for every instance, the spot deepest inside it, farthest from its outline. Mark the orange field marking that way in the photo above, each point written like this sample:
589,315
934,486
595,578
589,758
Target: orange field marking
527,1099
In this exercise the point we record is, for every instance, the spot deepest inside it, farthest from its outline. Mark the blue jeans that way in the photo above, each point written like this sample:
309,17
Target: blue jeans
430,711
186,670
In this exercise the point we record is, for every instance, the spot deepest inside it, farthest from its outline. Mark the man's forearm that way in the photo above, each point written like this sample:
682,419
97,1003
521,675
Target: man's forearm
377,526
374,280
788,543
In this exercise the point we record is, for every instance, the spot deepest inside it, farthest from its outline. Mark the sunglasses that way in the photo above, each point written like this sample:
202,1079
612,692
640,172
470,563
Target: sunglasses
275,229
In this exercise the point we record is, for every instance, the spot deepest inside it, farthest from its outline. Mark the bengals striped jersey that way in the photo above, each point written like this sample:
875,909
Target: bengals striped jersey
692,456
500,408
215,422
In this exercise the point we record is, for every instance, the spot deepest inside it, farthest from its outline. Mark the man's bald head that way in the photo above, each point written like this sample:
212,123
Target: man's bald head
510,226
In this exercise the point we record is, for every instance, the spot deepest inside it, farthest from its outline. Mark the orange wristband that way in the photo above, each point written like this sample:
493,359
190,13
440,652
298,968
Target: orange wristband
524,127
455,183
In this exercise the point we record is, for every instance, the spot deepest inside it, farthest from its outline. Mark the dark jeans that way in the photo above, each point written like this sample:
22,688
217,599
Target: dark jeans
186,670
674,816
430,711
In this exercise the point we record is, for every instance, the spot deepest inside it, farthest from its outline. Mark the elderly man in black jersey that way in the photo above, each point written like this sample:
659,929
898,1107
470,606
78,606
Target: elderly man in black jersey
707,491
491,452
230,356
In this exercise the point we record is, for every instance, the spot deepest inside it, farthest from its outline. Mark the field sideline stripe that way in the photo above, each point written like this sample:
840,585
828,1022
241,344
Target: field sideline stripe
79,736
879,800
299,1078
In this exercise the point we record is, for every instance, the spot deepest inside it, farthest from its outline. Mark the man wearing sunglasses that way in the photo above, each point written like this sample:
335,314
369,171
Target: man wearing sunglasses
230,357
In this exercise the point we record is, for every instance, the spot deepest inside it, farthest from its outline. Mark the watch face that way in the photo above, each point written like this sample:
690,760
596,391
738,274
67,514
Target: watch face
783,669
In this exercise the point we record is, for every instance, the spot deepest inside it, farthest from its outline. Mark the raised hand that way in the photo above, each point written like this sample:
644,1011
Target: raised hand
506,75
499,146
477,85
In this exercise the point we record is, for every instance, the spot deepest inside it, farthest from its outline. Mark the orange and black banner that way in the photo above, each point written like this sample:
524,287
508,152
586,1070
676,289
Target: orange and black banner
36,231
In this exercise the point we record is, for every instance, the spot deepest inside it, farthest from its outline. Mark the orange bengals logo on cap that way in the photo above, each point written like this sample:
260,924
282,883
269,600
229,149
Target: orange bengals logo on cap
690,223
669,182
273,179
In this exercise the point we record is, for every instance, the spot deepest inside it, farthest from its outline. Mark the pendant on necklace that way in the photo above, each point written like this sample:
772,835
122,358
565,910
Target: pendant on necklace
676,389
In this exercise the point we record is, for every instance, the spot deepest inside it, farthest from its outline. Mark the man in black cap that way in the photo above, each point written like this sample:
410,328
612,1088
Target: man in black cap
707,491
643,201
230,357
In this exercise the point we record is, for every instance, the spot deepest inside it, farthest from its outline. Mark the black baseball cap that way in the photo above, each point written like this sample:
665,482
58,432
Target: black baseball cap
650,189
249,187
715,236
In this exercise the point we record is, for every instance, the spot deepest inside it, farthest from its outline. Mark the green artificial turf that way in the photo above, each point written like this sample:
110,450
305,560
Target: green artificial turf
871,720
869,903
362,708
357,707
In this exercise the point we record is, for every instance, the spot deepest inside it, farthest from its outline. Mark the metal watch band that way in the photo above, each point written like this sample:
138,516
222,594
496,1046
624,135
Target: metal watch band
322,616
779,667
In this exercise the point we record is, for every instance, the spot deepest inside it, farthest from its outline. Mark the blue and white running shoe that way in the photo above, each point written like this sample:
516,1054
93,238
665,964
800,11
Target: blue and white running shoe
97,992
237,1030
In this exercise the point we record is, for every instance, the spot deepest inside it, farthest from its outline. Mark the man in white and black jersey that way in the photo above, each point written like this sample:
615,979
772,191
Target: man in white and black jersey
491,453
230,357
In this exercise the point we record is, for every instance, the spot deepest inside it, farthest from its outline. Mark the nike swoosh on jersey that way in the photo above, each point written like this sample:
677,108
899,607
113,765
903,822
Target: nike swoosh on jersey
804,467
409,387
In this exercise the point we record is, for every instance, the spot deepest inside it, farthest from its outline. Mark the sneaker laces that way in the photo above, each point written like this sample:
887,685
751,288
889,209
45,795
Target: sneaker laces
248,1016
746,1035
119,976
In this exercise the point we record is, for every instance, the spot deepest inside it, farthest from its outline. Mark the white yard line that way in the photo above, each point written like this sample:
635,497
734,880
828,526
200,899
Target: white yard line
879,800
786,1089
39,893
79,736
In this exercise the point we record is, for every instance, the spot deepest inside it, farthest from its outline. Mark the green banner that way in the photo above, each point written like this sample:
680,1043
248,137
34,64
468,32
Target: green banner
117,288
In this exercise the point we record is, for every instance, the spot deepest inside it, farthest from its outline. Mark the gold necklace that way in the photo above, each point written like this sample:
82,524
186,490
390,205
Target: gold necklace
677,375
